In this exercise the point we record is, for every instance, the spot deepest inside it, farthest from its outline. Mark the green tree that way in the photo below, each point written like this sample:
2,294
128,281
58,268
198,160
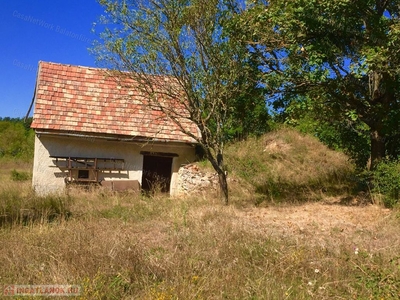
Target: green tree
187,41
248,111
341,54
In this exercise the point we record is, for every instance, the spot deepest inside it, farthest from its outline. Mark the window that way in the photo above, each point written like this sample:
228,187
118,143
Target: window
83,174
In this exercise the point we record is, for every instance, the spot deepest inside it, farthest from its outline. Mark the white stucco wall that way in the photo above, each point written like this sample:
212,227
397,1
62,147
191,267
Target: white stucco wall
47,178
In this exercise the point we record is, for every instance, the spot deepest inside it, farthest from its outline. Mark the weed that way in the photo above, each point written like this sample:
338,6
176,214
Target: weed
21,207
19,176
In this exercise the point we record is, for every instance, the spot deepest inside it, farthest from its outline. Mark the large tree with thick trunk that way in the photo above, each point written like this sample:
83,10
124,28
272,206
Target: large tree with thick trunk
342,55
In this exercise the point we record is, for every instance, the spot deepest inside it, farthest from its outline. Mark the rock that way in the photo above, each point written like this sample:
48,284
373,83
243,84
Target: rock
191,180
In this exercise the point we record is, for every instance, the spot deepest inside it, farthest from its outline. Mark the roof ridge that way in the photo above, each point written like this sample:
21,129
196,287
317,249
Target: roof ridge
70,65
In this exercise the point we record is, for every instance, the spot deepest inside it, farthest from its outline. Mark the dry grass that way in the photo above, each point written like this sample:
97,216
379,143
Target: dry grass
286,165
8,165
125,246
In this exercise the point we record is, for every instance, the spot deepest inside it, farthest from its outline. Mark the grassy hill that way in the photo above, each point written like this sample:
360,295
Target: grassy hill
287,166
126,246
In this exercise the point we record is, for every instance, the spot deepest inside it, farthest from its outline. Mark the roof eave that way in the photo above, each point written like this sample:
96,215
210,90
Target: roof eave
111,137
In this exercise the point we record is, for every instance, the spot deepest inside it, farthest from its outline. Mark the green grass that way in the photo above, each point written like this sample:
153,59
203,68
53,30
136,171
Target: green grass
20,176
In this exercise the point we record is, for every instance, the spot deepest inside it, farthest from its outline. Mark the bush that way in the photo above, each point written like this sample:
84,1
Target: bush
386,182
19,176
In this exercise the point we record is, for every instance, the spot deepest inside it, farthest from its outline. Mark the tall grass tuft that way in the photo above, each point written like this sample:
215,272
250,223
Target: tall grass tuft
20,206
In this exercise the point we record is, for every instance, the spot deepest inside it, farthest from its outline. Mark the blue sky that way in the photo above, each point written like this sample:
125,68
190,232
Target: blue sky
48,30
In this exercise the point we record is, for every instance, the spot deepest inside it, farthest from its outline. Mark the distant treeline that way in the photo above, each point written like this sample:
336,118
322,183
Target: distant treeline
16,138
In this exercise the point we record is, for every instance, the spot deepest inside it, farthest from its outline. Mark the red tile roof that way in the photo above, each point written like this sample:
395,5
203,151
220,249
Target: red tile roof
87,100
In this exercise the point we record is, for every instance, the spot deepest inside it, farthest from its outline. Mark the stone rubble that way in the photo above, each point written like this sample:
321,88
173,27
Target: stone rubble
191,180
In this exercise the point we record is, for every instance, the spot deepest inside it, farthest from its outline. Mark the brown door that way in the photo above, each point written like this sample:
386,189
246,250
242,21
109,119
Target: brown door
156,173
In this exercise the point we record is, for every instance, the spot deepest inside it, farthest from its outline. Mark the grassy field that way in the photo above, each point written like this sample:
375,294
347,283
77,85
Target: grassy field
287,234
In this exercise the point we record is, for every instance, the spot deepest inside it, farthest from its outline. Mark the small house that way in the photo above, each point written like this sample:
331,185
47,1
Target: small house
91,129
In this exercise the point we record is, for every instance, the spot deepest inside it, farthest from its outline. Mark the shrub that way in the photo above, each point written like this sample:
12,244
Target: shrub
19,176
386,182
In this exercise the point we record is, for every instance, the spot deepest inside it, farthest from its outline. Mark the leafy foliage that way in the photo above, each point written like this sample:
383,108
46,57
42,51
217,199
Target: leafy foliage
348,136
16,139
386,181
342,55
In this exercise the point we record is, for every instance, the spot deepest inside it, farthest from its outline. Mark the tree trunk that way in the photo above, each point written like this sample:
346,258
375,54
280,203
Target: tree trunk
381,101
223,184
377,148
218,165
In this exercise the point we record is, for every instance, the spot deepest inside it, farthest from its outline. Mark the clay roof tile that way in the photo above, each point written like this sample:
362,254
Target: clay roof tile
84,99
